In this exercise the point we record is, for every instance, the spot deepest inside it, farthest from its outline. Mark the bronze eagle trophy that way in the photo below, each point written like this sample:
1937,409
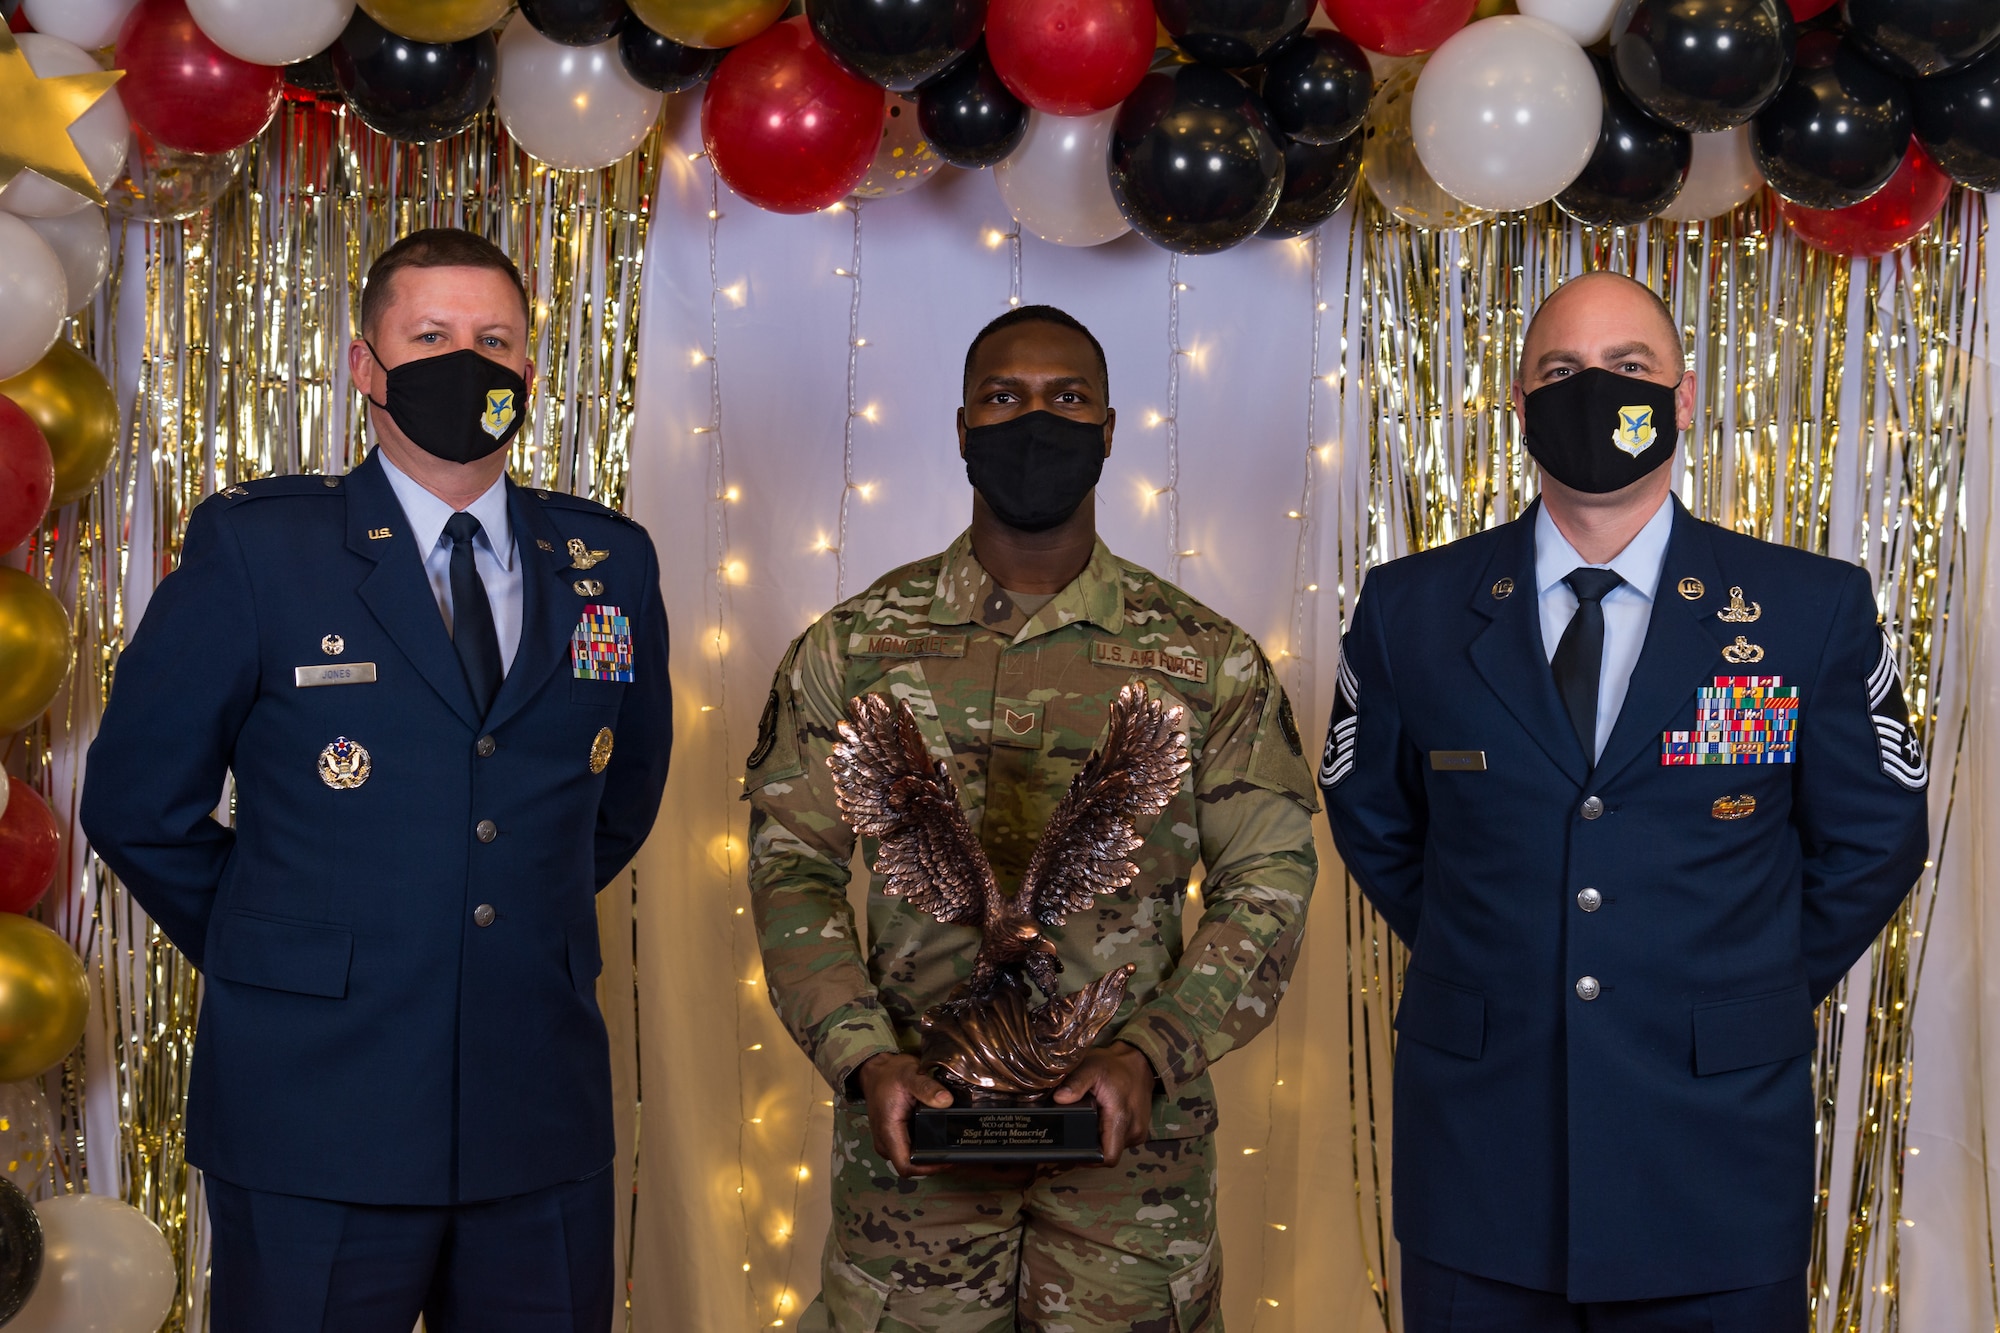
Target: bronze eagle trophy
984,1040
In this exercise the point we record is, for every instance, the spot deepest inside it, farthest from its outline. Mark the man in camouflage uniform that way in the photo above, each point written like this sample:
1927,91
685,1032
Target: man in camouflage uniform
1009,648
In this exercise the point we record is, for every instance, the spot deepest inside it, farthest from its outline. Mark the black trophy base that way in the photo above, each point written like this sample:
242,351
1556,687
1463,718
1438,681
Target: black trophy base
1003,1131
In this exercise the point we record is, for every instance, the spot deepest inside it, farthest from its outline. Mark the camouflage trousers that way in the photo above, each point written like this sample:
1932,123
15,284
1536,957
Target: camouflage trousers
1085,1249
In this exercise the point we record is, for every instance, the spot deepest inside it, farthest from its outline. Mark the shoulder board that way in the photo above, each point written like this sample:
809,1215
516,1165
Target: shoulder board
265,488
578,504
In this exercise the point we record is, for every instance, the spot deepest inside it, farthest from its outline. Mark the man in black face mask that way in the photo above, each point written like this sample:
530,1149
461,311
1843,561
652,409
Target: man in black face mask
1010,647
1637,791
444,702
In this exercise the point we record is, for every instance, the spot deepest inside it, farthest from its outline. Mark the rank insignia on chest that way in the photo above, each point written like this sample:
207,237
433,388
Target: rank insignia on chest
1738,720
600,647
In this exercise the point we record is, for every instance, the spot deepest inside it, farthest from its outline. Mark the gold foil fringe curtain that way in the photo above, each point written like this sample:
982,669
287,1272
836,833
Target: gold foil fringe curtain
1835,406
239,321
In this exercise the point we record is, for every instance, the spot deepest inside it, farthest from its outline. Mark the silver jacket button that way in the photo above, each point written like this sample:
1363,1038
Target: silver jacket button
1587,988
483,914
1590,900
485,830
1592,807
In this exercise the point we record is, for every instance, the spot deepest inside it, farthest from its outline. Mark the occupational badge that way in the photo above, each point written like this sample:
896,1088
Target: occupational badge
544,544
588,588
1742,652
1635,432
237,491
344,764
600,750
1691,589
582,557
1898,746
1503,589
333,645
600,646
1734,807
499,413
1737,720
1736,613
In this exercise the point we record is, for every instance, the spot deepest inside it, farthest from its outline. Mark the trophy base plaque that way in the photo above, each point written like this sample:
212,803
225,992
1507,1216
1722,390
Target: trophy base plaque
1004,1131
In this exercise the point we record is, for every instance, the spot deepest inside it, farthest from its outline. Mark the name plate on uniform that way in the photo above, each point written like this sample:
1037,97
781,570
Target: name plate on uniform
1459,761
906,645
337,673
1004,1130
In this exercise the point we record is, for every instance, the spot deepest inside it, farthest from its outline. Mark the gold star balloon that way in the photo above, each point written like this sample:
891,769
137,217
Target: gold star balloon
35,116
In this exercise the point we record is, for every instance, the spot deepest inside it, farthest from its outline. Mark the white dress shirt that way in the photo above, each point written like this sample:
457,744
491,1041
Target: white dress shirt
1627,607
492,552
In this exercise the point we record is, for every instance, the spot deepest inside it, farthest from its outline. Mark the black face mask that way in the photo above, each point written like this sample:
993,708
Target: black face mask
1598,432
459,406
1034,469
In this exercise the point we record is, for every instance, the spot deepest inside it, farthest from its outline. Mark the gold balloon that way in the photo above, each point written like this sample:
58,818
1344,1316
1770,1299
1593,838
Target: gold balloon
44,998
1390,165
71,401
437,20
34,651
710,23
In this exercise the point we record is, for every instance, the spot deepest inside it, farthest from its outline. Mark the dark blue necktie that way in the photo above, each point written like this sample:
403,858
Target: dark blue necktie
472,631
1579,659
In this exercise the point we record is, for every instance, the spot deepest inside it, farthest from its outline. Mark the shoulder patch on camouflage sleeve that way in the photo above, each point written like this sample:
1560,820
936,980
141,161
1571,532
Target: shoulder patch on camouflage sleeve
1900,749
1337,761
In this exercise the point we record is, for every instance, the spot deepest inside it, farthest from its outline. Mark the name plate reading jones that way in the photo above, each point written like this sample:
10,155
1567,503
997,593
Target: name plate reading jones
338,673
1005,1132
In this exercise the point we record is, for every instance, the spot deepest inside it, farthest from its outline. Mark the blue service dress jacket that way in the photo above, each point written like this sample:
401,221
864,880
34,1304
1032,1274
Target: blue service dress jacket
398,935
1601,1076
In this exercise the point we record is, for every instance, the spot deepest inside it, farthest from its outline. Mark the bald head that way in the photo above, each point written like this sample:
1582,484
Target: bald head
1601,319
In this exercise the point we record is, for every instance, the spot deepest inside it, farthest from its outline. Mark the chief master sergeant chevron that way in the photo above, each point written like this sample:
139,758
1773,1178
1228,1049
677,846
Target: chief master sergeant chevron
1637,791
444,702
1009,647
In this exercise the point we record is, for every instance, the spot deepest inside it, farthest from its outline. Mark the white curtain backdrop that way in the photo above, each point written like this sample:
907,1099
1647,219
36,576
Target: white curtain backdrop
730,1203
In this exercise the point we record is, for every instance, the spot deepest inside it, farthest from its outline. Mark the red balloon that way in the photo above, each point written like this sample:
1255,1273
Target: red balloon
186,91
29,847
1886,220
27,475
1070,57
18,21
1805,9
1399,27
786,127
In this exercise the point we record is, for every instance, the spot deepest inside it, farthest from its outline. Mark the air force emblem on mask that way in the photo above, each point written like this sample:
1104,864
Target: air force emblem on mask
1635,430
499,413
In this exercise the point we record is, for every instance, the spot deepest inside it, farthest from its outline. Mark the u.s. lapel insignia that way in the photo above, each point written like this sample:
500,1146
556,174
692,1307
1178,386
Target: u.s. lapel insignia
582,557
600,750
499,413
1635,433
379,534
1742,652
1503,589
588,588
344,764
333,645
1691,589
1734,807
1736,613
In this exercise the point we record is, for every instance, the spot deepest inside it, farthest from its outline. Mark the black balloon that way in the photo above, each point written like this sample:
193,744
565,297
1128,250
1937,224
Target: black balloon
1702,65
1194,166
1637,168
413,91
897,43
968,115
314,74
1232,32
1317,86
576,22
1957,116
20,1249
661,63
1919,38
1837,131
1318,179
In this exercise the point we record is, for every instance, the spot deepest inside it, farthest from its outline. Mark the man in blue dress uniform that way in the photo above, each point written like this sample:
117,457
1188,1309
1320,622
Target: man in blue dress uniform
1637,791
445,706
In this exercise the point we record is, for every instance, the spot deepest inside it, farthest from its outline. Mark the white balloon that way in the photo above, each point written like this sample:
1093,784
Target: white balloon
101,134
82,244
1586,22
1722,174
1057,183
1506,113
271,32
33,294
574,107
89,23
105,1269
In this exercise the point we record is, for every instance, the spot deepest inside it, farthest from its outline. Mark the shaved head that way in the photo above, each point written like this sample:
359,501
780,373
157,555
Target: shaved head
1599,297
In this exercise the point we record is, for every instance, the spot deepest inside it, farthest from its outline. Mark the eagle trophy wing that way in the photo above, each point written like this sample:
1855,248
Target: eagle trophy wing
888,787
1130,777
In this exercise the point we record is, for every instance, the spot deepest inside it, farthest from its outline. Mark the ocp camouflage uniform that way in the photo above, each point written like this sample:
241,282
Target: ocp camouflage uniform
1016,703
